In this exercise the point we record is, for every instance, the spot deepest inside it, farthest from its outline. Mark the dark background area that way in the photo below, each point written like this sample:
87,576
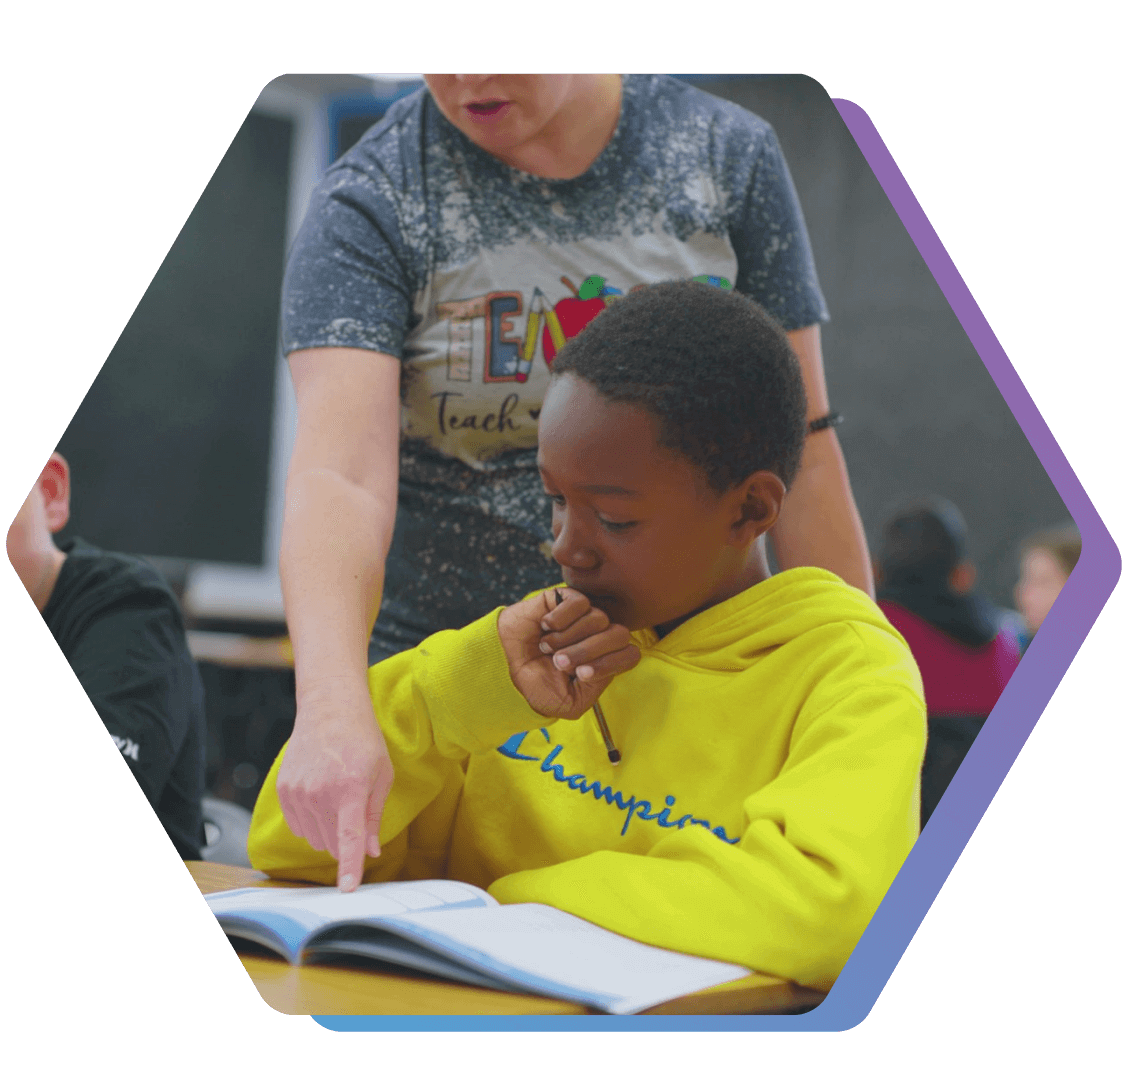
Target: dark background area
988,952
170,449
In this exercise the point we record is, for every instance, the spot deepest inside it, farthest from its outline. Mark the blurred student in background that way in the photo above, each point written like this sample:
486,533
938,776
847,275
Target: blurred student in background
965,649
1046,560
119,626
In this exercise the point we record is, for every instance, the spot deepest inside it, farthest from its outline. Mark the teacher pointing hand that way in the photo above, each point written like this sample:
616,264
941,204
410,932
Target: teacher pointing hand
443,262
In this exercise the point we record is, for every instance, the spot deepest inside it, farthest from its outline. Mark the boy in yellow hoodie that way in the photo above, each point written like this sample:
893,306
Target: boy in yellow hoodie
770,728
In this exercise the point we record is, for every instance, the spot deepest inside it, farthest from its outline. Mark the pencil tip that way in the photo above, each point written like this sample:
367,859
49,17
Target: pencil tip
613,755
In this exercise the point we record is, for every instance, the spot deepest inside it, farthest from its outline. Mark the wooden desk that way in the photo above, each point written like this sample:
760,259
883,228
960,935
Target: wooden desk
348,991
241,651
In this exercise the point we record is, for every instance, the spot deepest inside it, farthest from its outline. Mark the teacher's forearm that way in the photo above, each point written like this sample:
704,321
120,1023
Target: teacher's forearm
335,539
820,525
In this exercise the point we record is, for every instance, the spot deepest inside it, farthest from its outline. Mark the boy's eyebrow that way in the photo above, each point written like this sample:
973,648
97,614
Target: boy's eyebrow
600,489
607,489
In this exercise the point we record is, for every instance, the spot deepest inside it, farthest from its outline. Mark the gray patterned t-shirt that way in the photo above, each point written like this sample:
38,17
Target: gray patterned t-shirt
421,245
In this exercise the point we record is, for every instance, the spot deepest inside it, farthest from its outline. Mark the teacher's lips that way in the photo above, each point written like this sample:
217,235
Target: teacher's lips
488,110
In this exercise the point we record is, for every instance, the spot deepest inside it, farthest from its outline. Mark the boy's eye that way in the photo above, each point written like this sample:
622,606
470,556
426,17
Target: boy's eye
611,526
616,526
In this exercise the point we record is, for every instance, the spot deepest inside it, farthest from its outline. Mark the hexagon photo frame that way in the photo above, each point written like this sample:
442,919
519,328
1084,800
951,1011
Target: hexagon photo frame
1015,714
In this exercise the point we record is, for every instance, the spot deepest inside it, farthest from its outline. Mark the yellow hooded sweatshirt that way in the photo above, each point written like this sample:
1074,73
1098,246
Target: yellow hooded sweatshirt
767,795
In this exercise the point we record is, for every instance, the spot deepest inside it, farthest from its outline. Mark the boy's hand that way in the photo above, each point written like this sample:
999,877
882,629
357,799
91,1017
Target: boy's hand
562,656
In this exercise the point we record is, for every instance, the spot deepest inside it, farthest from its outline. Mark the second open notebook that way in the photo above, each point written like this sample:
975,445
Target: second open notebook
458,931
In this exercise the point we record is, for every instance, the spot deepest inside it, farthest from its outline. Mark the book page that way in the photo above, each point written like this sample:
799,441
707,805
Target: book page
549,951
381,949
316,906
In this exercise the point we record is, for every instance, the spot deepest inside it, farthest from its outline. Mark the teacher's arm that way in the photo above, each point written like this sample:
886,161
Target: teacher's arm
820,525
339,517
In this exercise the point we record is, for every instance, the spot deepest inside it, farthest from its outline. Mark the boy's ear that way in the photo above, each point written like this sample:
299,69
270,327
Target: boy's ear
760,501
54,487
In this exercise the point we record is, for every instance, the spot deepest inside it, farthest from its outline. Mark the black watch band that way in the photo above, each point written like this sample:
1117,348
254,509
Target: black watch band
831,419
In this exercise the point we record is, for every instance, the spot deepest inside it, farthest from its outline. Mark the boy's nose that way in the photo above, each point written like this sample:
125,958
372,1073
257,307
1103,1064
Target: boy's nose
569,549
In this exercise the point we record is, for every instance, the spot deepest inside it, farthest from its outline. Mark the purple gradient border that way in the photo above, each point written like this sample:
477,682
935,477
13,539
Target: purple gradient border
999,742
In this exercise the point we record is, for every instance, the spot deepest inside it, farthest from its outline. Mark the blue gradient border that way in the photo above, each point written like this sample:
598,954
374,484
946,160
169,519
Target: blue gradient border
994,752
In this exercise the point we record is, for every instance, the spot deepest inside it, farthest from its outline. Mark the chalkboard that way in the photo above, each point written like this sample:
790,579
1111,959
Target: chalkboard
350,128
170,449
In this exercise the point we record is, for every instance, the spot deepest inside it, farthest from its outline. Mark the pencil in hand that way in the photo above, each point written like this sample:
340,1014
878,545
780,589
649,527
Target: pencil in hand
612,752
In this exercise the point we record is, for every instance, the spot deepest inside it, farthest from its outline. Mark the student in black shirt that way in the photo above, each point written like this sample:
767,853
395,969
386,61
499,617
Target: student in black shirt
120,628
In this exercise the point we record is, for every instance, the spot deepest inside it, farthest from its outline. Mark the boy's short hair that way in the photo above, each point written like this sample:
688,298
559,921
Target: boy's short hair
712,367
1063,542
922,542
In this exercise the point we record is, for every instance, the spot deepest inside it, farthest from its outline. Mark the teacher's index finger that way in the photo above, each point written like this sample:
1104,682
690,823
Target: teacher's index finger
351,837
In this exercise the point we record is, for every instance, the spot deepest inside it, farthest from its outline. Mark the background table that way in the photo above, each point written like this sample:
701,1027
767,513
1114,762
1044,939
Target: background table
355,991
241,651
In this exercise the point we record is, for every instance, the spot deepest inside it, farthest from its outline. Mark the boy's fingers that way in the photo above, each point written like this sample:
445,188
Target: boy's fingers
591,623
609,665
561,616
590,649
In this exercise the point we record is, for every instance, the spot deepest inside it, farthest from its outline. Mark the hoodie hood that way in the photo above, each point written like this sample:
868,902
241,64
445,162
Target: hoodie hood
779,610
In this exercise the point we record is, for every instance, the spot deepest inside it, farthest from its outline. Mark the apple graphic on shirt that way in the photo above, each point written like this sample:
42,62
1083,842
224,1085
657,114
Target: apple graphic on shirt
575,312
714,281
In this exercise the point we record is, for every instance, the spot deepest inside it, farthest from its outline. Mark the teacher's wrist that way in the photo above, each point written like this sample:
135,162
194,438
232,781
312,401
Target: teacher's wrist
331,696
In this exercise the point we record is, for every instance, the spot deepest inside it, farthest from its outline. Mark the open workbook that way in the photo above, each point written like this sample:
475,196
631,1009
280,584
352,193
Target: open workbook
459,932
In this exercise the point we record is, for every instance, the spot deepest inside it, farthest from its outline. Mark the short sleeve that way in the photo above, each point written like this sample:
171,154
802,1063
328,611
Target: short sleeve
348,280
775,264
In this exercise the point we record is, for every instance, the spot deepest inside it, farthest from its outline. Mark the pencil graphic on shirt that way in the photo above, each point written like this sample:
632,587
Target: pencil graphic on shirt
554,329
532,327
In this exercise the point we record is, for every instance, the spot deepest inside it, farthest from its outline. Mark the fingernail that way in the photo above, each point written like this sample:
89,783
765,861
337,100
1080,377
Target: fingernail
585,672
544,626
373,846
347,883
561,661
545,648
